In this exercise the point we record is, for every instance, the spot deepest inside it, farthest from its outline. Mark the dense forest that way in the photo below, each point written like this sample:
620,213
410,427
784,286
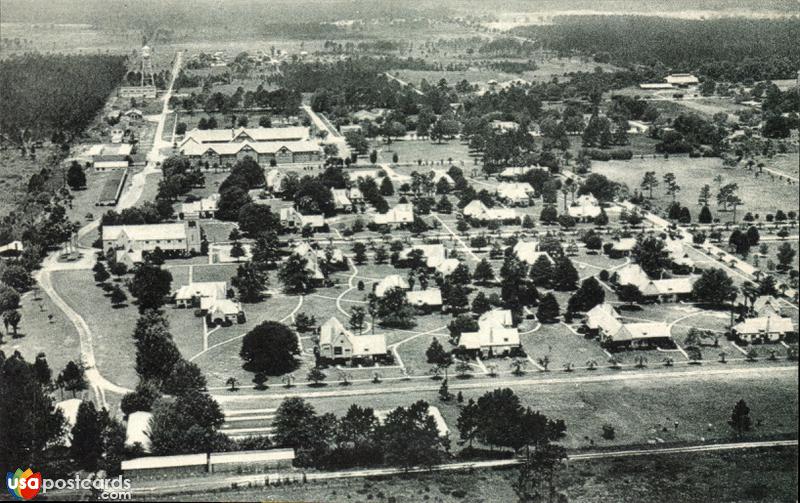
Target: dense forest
722,49
43,95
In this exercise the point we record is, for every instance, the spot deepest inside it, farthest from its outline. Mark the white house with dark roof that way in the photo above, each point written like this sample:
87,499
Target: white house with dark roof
337,344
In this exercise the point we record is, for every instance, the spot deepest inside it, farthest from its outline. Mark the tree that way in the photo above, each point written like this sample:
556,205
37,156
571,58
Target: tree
373,157
786,254
705,215
548,310
295,276
394,309
436,355
266,250
297,425
483,273
150,285
186,424
42,371
460,275
549,214
9,298
360,251
316,376
76,178
29,420
184,377
672,185
629,293
651,255
270,347
142,398
250,281
156,352
481,304
705,195
386,189
600,187
118,269
714,286
118,297
590,294
72,378
357,317
740,418
87,442
649,182
565,276
255,219
537,474
409,437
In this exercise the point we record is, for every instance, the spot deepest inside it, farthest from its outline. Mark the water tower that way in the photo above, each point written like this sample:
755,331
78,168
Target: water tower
147,67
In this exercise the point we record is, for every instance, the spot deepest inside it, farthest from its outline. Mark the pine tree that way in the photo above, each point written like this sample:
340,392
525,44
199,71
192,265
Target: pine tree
548,310
87,441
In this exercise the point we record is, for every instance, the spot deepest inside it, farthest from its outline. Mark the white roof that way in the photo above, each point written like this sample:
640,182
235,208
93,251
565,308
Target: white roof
12,246
624,244
656,85
244,457
400,214
110,164
389,282
682,78
496,318
206,204
259,134
636,331
434,254
672,286
475,208
274,178
632,274
765,304
528,251
514,191
766,324
330,329
603,316
520,170
193,148
489,337
225,307
366,345
429,297
145,232
156,462
138,429
447,266
115,149
210,289
69,408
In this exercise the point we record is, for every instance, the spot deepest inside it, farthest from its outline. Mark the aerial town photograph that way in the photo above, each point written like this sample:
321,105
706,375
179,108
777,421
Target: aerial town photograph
374,251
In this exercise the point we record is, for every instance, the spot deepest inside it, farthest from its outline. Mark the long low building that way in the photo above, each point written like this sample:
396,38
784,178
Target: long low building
221,147
603,321
239,461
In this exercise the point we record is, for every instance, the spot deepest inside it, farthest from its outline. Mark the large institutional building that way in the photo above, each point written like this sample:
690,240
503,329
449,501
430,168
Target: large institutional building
284,145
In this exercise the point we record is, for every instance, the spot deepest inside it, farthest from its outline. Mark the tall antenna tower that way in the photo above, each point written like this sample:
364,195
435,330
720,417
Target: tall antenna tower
147,67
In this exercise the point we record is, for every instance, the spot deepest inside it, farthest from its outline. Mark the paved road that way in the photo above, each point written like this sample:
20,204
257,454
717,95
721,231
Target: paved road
171,486
539,381
99,384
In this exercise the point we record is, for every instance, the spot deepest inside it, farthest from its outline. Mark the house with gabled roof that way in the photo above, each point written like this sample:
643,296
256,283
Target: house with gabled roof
339,345
389,282
132,241
528,252
202,209
585,207
604,322
292,219
399,215
477,210
425,300
496,335
767,305
515,193
770,328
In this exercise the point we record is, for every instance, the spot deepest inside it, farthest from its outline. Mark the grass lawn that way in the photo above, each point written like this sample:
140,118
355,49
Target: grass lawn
760,194
409,151
744,475
57,338
112,329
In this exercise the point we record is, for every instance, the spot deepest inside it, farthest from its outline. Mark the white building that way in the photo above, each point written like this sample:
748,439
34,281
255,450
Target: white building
479,211
293,219
496,335
389,282
515,193
528,252
137,431
400,214
203,209
337,344
585,207
131,241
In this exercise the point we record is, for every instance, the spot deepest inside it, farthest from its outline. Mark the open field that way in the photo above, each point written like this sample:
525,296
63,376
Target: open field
760,195
746,475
